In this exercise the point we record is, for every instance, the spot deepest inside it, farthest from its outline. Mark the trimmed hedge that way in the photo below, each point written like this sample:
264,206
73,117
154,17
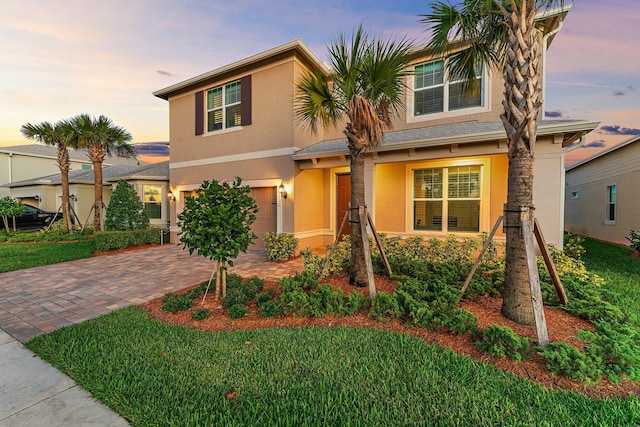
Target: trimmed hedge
107,240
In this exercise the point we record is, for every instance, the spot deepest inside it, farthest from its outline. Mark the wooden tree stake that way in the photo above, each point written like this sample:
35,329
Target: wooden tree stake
362,213
534,279
380,248
537,231
479,259
209,284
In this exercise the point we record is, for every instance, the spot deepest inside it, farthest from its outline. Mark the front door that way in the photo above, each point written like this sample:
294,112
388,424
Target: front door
343,200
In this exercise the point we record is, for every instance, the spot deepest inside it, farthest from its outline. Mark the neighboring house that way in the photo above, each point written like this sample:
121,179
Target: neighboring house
22,162
442,170
602,198
151,182
26,162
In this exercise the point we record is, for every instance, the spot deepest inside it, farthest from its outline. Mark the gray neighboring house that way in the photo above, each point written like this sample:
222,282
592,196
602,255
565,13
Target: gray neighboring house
602,199
150,180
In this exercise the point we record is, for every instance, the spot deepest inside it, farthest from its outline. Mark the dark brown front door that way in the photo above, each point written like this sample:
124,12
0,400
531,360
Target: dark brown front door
343,196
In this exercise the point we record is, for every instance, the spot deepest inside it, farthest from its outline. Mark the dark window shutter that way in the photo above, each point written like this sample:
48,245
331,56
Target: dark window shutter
245,101
199,112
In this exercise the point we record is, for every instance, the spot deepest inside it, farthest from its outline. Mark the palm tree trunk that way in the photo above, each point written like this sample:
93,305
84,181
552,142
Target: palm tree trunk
517,304
523,93
63,164
358,273
97,214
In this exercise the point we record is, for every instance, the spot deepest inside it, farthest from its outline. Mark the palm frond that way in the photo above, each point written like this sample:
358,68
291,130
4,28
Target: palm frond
314,104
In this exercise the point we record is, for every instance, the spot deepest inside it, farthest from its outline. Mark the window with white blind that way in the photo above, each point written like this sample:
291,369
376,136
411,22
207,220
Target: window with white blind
447,199
224,107
435,92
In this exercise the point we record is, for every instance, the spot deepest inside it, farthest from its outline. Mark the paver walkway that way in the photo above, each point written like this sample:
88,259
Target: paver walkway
42,299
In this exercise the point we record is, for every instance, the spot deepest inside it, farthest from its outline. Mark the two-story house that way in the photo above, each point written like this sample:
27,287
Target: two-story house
441,170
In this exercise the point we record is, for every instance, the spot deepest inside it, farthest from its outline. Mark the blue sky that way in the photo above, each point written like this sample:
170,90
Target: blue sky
59,59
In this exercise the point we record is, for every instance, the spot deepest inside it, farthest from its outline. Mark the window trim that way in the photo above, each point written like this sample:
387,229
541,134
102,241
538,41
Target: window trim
410,84
607,204
485,194
223,108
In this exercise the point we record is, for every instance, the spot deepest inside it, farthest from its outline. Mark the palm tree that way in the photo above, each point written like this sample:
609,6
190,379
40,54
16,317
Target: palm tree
364,87
100,137
505,35
55,134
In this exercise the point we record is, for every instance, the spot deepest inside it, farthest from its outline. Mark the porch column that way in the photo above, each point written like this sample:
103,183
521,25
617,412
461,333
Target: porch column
369,188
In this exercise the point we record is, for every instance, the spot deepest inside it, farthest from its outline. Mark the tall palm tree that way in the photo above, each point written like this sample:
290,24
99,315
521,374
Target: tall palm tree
505,35
364,87
57,135
100,137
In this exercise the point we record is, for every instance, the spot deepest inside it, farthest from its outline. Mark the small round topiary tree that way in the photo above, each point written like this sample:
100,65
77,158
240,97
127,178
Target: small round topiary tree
10,207
216,223
125,210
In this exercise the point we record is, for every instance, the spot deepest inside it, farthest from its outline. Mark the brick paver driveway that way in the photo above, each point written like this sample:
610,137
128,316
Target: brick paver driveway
42,299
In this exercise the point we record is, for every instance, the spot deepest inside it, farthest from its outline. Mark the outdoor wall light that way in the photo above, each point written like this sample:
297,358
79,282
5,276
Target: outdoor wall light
73,197
171,196
282,191
37,198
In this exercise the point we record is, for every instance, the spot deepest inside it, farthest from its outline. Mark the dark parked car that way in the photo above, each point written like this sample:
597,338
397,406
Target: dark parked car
33,217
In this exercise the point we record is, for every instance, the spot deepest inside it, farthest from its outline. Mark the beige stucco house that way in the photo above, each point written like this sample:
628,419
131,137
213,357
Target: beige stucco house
602,198
445,158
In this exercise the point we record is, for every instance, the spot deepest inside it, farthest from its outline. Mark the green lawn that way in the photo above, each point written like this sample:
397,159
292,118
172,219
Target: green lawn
16,256
621,272
157,374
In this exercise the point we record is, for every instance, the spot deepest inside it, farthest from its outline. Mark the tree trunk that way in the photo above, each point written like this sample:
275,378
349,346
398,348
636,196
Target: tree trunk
523,99
358,273
63,164
517,304
97,214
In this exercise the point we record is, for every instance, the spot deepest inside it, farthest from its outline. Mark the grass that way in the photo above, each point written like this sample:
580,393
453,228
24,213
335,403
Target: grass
621,272
157,374
16,256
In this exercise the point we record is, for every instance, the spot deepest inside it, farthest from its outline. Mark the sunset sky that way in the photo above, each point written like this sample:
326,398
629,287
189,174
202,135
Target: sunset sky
59,59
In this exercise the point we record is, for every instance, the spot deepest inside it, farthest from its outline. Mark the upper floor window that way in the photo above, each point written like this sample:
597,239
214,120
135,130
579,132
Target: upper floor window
610,208
223,107
435,92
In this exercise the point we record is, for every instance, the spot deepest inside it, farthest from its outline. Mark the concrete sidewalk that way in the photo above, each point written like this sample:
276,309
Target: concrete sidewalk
34,393
41,299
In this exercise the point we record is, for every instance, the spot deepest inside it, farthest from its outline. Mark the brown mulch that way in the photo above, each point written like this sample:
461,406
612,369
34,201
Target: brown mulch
561,326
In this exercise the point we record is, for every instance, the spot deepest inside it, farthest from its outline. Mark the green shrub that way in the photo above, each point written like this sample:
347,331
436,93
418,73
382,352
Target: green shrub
615,348
200,314
125,210
280,247
567,360
461,322
353,303
296,301
385,307
240,291
107,240
634,240
268,305
503,342
238,311
304,280
175,303
573,245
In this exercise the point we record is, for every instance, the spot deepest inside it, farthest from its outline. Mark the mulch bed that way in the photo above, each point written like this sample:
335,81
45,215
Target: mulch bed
561,326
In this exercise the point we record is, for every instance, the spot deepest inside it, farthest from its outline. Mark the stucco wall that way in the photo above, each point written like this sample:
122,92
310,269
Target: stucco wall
586,213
